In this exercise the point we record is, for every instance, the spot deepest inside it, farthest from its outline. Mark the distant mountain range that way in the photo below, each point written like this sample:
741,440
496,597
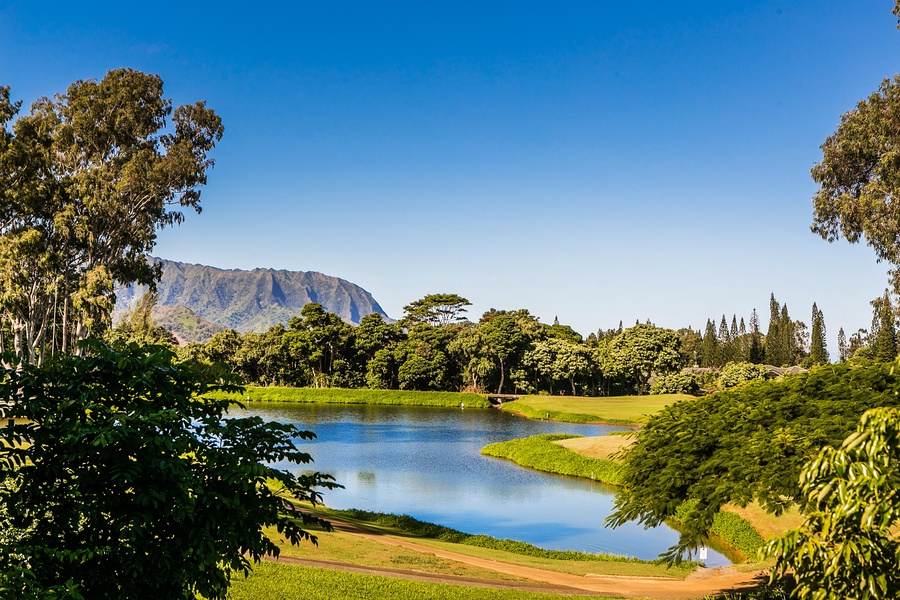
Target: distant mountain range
196,301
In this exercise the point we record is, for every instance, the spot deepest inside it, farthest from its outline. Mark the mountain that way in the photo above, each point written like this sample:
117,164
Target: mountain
186,325
247,300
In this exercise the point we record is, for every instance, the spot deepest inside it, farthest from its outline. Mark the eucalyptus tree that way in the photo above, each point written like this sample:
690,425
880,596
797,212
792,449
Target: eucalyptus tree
87,178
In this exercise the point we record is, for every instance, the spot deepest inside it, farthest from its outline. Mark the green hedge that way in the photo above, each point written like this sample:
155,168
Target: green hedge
734,530
413,526
539,452
359,396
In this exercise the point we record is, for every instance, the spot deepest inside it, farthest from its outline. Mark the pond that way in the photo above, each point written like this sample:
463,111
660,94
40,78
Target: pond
426,462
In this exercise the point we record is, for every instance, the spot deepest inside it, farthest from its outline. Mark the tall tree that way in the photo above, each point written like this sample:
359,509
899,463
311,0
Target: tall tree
435,310
843,349
775,350
886,337
86,181
643,350
757,352
818,354
709,351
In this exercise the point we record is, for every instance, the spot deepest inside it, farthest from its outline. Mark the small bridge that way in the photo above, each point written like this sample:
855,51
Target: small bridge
498,399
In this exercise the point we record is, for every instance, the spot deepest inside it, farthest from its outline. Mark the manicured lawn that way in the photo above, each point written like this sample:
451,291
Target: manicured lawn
607,409
278,581
542,452
359,396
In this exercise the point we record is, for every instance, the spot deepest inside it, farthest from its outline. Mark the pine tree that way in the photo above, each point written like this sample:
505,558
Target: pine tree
787,330
757,353
886,338
818,354
725,345
774,340
843,350
709,346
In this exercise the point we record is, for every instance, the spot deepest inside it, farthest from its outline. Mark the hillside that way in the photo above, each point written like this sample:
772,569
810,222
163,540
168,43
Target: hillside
246,300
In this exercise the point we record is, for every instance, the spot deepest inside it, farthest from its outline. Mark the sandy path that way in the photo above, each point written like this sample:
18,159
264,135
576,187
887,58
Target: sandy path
696,585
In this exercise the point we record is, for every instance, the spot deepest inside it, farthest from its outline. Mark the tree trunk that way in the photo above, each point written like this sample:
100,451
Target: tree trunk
502,377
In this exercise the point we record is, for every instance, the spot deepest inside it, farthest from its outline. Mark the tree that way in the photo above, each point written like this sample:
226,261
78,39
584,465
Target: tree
843,348
746,444
859,178
709,350
86,181
317,339
506,337
435,310
127,482
846,546
818,353
138,326
886,336
757,352
775,351
643,350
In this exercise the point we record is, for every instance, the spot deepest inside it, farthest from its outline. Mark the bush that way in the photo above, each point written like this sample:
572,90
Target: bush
675,383
129,484
736,373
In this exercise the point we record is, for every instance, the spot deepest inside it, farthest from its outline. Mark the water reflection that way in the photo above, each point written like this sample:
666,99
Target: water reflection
426,462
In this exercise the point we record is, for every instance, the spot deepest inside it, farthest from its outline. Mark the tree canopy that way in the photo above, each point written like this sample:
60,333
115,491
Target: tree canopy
846,546
124,482
87,178
745,444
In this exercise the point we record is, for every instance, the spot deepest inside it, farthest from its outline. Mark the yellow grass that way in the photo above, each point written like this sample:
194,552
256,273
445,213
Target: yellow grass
602,447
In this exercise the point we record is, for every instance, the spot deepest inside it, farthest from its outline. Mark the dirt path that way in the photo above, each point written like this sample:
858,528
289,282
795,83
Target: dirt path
697,585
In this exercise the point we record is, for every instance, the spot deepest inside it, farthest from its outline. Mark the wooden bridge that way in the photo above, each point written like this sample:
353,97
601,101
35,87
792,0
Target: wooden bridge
498,399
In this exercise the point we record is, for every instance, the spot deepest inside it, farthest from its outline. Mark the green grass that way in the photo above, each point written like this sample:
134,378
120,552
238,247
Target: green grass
539,452
278,581
411,526
736,531
622,410
358,396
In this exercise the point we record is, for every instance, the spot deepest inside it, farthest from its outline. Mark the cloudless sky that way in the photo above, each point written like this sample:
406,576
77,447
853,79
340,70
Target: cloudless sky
594,161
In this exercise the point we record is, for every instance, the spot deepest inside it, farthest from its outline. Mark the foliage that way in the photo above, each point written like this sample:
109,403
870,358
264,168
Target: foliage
675,383
818,354
435,310
736,373
130,484
858,177
274,580
643,350
87,178
885,347
847,546
733,529
745,444
356,396
137,326
539,452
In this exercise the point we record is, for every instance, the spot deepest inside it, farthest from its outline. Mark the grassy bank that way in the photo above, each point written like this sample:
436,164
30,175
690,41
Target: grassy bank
547,453
274,581
414,527
539,452
620,410
358,396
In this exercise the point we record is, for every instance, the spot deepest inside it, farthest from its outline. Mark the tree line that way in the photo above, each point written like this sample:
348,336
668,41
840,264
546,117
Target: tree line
435,347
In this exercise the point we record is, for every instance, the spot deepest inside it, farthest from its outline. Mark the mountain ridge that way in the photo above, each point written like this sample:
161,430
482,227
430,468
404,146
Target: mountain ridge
251,300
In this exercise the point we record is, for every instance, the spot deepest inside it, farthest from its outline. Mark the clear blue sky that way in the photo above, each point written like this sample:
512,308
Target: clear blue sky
594,161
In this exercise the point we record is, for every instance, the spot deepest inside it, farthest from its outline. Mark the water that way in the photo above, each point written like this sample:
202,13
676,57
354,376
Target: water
426,462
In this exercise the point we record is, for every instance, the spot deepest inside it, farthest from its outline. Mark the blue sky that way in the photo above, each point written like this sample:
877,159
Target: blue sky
594,161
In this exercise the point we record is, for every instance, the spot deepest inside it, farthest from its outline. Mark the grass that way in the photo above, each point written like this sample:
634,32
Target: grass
619,410
345,547
277,581
404,524
600,447
541,453
358,396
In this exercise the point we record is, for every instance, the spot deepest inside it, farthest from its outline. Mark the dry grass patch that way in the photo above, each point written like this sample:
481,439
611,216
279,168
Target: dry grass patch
768,525
601,447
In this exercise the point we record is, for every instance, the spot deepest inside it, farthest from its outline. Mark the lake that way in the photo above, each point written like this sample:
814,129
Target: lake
426,462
